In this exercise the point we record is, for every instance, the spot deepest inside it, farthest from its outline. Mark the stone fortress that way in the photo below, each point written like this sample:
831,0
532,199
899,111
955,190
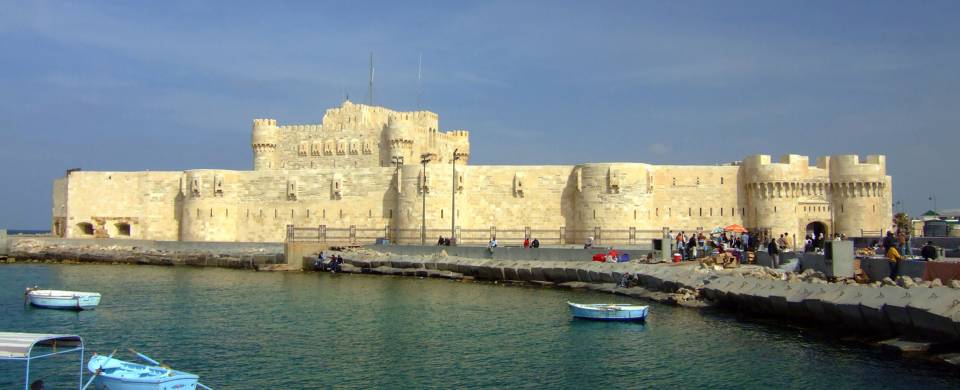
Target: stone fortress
362,169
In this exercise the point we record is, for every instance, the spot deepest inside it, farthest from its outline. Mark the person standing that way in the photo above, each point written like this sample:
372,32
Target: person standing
526,243
773,249
893,256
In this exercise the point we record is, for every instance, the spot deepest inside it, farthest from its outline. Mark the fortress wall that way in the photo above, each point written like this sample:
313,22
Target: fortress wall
258,206
491,196
507,197
610,196
690,197
144,200
58,215
305,147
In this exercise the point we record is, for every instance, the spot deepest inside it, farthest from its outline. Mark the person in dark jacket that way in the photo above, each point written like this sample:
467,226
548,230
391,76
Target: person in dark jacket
535,243
929,252
889,241
773,249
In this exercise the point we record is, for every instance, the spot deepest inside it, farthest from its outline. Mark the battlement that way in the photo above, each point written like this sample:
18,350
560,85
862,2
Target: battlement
852,165
264,122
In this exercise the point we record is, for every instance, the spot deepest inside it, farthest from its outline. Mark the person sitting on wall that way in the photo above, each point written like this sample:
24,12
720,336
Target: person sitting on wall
535,243
929,252
526,243
589,243
446,242
492,243
441,241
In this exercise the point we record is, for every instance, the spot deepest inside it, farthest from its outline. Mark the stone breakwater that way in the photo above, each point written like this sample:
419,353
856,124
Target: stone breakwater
917,312
228,255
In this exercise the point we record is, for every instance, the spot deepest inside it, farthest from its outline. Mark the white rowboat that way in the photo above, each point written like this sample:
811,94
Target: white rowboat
59,299
608,311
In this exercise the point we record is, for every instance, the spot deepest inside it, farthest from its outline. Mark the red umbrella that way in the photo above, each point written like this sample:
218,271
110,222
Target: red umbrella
735,228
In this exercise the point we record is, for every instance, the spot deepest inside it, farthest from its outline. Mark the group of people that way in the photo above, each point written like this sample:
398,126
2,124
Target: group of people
527,243
444,241
331,264
895,247
698,244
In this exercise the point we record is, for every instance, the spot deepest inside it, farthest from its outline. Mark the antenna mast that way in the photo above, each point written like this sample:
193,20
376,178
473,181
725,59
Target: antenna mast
370,90
419,80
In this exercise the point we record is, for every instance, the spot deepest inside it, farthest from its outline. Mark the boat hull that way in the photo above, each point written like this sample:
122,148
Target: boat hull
64,300
605,312
106,383
117,374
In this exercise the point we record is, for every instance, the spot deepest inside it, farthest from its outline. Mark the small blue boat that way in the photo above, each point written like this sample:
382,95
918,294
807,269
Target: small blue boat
608,311
116,374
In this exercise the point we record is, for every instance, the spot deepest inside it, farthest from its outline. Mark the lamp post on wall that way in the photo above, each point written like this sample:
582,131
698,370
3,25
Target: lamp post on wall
424,159
397,161
934,199
453,198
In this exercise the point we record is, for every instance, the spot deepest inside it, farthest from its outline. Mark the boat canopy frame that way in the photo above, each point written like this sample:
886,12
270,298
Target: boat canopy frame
19,347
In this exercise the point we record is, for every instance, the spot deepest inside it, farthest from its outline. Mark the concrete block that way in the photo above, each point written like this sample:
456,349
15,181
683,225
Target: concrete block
536,273
838,259
936,312
583,275
896,300
846,306
871,310
875,268
796,305
820,305
524,274
571,274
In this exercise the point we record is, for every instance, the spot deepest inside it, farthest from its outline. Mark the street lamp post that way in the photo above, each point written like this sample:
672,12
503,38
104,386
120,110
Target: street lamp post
397,161
934,199
424,159
453,198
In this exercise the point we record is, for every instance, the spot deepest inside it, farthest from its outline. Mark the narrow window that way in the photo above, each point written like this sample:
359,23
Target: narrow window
594,214
276,213
690,211
226,213
721,211
211,212
291,213
324,214
774,208
658,211
341,213
391,213
198,213
721,180
634,214
308,213
441,213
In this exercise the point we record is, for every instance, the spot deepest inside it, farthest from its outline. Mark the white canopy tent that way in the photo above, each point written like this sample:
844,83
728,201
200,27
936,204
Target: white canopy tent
19,346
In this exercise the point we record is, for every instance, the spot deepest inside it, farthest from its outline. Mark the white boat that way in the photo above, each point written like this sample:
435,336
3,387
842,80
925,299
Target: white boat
608,311
59,299
116,374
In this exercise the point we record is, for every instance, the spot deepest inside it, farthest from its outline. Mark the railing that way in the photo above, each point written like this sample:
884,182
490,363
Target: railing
354,235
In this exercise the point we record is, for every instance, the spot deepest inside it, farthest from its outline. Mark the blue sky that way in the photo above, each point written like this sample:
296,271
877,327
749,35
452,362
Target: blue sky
174,85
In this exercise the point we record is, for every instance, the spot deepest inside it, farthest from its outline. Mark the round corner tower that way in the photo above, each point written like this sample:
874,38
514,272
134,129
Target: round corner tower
399,139
773,192
266,136
860,195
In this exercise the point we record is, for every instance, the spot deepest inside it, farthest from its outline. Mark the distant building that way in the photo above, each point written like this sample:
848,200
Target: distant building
360,169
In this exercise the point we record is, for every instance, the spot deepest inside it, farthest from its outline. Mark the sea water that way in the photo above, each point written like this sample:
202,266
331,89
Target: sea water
254,330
